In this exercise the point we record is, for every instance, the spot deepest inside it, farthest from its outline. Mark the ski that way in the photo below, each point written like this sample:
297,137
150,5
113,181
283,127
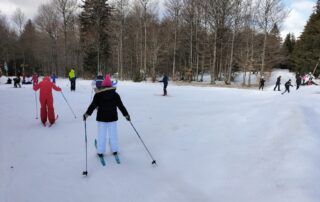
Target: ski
54,121
116,157
100,158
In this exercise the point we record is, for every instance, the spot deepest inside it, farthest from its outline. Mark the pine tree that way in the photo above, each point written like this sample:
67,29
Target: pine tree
306,54
95,22
287,50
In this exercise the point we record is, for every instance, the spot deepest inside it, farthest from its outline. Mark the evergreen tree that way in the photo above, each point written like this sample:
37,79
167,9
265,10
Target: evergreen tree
287,49
95,22
306,54
274,58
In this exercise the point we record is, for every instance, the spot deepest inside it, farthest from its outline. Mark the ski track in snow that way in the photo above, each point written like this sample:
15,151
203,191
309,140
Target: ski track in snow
211,144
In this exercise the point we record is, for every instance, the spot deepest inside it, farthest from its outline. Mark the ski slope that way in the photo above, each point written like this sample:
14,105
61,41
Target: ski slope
211,144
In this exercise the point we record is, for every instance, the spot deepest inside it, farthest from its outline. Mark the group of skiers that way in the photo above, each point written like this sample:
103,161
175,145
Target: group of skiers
106,100
300,80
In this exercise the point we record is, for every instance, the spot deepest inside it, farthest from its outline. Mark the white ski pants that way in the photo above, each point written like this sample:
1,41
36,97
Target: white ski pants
107,131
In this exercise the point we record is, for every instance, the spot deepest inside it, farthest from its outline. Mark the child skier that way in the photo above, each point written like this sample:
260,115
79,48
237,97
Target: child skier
287,86
16,81
278,83
46,99
107,100
165,84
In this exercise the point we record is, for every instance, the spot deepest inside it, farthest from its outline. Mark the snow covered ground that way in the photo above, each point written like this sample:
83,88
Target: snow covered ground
211,144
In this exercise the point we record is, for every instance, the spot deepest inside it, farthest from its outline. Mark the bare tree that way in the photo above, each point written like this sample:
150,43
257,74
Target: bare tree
144,4
66,9
122,7
270,12
47,21
19,20
174,9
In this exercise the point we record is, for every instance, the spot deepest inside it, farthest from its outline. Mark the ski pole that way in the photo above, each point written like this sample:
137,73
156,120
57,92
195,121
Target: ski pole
68,104
85,134
153,161
35,96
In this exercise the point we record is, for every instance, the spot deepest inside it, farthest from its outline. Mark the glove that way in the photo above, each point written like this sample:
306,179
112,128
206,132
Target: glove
85,116
128,118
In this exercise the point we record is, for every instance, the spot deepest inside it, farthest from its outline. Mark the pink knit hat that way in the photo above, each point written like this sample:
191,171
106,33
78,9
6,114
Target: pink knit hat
107,81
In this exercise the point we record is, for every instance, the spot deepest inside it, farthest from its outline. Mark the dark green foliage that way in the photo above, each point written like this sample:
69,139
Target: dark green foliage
288,48
95,24
306,53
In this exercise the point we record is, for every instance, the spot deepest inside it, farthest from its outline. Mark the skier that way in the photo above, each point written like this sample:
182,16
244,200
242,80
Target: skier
9,81
35,78
16,81
262,83
72,78
96,84
278,83
165,84
298,80
287,86
46,99
53,78
107,100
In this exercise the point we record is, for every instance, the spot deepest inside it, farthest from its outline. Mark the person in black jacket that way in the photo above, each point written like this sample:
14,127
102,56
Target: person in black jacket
262,83
165,84
298,80
107,100
16,81
287,86
278,83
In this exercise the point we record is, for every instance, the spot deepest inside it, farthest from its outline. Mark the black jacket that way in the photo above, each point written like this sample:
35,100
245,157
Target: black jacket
107,102
165,80
278,81
288,84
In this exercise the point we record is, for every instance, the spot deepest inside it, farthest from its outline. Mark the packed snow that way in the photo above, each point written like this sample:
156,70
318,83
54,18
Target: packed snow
210,144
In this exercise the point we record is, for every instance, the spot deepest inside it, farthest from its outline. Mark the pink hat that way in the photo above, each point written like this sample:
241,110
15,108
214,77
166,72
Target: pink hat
107,81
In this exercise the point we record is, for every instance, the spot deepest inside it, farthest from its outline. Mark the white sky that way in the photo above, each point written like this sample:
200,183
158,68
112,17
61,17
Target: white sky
300,12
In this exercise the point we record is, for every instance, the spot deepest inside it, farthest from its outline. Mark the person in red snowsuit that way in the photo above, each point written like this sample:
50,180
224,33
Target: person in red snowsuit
46,99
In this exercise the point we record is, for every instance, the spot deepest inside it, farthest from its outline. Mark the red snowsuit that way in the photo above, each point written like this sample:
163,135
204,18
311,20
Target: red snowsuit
46,99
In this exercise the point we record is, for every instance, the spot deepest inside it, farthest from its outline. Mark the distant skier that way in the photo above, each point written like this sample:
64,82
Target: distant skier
262,81
16,81
46,99
165,84
9,81
287,86
35,78
98,81
53,78
72,78
107,100
298,80
278,83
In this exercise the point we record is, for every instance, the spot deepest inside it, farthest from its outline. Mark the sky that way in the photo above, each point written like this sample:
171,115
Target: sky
300,11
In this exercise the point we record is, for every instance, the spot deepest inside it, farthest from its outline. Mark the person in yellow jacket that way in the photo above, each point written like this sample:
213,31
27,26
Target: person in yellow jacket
72,78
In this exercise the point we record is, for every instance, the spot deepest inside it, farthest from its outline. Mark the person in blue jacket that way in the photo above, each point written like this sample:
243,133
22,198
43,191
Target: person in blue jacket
53,78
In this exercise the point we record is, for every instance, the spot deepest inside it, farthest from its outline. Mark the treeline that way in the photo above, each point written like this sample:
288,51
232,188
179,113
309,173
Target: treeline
138,40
